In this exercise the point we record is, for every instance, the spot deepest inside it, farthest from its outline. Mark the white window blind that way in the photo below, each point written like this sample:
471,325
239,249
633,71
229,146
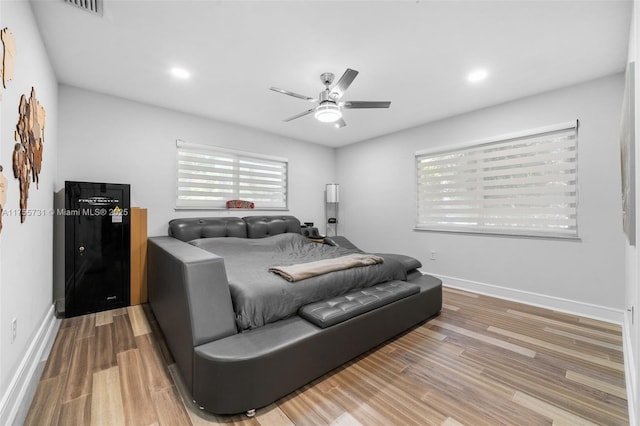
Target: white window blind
208,177
521,184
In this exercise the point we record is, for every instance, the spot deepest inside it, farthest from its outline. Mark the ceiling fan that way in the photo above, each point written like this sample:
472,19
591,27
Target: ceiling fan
330,105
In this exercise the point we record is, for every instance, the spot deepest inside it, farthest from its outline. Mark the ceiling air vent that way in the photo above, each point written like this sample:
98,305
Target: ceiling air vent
93,6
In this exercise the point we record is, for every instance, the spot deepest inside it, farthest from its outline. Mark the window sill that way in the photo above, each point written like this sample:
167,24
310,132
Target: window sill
497,233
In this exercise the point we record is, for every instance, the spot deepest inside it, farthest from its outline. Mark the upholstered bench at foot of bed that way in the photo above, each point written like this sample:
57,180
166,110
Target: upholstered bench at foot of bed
337,309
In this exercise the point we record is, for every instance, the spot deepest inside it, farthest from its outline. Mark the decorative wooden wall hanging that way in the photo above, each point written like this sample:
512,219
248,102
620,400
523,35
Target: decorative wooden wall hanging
7,61
8,55
27,154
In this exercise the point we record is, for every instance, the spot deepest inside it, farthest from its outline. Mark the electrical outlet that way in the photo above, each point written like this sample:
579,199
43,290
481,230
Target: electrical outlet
432,256
14,329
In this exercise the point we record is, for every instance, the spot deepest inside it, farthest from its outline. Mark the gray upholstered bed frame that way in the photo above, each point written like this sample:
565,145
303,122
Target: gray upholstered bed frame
231,372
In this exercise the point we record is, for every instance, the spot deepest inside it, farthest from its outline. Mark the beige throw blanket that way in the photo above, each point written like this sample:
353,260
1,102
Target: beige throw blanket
319,267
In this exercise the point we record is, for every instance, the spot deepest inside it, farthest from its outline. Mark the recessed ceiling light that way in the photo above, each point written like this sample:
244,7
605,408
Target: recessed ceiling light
180,73
477,76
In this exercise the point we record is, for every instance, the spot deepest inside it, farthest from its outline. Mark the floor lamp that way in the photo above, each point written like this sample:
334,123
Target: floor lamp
331,198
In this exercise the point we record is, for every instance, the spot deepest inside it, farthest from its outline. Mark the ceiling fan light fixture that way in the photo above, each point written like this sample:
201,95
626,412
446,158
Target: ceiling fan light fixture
330,103
328,113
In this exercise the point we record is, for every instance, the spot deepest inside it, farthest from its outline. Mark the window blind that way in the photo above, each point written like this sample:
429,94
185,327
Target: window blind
524,184
208,177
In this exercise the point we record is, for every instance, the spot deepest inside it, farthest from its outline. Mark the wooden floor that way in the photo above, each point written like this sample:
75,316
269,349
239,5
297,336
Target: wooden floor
482,361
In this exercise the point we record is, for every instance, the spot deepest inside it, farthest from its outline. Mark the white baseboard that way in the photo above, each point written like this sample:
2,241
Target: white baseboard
573,307
12,399
630,372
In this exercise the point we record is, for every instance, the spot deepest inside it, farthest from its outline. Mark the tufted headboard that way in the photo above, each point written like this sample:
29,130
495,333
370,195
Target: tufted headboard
265,226
187,229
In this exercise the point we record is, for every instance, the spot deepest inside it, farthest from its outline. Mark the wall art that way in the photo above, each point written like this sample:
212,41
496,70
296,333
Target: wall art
7,61
8,56
627,155
27,153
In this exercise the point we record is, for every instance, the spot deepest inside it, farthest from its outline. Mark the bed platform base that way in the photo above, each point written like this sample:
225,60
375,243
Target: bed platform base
228,372
255,368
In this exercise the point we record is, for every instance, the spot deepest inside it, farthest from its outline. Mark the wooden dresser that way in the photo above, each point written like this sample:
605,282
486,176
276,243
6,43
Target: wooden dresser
138,255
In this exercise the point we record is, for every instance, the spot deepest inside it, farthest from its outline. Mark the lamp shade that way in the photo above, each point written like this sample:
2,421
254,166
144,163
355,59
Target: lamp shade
332,193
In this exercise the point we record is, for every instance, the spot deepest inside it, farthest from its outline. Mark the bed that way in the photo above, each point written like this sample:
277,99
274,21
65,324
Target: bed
243,335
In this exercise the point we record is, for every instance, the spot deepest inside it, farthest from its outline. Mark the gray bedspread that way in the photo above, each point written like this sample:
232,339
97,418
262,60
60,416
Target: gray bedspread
260,297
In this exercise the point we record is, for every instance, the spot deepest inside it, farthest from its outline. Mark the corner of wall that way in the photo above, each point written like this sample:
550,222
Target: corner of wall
631,331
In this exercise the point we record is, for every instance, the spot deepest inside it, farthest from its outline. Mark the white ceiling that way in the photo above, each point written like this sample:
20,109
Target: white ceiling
413,53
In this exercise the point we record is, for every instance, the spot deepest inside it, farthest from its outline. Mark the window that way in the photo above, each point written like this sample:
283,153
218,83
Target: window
208,176
521,184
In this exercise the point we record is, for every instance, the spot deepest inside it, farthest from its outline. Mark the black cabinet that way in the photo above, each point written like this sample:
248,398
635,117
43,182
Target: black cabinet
95,226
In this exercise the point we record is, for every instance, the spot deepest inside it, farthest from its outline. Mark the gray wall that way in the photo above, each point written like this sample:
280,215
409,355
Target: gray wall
109,139
378,207
26,250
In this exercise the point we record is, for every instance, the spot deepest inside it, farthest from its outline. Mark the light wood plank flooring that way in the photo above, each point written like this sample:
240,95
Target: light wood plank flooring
483,361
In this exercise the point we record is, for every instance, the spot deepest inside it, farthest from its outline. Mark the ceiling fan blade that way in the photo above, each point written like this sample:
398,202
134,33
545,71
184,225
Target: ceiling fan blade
302,114
366,104
340,123
343,84
295,95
